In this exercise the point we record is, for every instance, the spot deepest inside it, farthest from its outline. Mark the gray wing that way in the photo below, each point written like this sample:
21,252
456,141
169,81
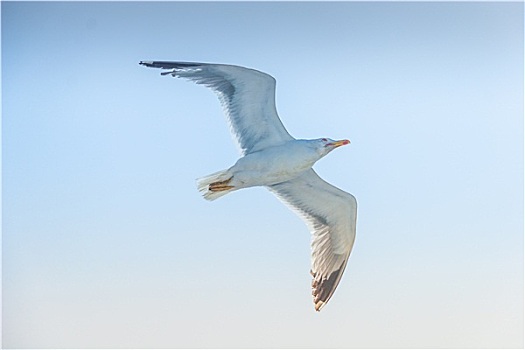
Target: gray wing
331,215
247,95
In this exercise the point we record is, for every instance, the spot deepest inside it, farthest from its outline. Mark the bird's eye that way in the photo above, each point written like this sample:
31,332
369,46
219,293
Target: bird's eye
324,140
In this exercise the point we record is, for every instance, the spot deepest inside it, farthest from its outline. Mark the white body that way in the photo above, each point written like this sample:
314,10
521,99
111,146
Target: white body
274,164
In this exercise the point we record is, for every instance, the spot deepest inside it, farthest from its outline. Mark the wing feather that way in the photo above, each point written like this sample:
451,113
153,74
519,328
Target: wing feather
331,215
248,98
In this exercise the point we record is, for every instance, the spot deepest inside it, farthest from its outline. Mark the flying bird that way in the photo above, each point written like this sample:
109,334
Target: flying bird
271,157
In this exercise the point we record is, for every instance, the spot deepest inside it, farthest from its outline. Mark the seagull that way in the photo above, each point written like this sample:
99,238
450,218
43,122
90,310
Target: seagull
271,157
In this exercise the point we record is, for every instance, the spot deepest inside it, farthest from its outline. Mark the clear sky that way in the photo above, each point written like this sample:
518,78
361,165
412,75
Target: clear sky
107,243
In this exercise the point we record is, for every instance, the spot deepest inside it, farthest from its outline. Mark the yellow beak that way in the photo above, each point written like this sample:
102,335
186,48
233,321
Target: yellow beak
339,143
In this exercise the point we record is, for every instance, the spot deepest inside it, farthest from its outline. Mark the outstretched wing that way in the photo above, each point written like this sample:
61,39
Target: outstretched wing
331,216
247,95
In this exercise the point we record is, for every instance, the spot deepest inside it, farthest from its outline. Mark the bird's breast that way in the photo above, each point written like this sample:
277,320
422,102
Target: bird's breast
273,165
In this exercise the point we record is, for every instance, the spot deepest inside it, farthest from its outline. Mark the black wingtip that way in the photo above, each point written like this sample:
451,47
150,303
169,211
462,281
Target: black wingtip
324,288
170,65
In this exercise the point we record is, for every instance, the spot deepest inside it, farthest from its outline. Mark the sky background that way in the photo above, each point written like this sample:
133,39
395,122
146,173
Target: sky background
107,243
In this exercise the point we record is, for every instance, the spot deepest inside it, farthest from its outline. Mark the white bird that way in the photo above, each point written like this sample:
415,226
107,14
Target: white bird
273,158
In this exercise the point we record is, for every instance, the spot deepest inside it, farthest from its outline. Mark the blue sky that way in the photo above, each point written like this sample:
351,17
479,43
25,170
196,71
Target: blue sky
107,243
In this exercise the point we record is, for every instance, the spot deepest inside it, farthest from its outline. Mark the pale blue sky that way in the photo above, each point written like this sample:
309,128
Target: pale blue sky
107,243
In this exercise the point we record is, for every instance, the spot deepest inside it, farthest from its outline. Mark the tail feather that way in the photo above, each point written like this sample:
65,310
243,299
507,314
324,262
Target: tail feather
203,184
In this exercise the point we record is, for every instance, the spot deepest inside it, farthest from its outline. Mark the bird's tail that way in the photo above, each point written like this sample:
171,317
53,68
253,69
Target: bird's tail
215,185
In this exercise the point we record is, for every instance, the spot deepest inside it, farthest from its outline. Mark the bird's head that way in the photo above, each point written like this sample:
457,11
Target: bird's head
326,145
